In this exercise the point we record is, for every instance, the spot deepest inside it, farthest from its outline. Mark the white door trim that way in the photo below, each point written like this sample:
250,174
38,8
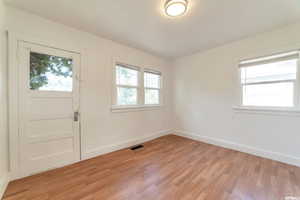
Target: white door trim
13,74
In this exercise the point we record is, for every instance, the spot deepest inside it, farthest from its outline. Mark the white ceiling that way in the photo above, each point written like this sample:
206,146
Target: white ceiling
142,23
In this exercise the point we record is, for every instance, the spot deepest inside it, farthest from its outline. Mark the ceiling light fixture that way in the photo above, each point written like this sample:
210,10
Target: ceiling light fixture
176,8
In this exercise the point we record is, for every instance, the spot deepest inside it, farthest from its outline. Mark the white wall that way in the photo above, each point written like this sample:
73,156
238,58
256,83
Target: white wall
102,129
206,88
3,102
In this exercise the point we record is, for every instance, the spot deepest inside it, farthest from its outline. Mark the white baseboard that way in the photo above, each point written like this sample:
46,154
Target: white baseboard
242,148
4,180
115,147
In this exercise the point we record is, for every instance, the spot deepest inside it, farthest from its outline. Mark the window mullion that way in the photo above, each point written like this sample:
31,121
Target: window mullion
244,88
297,87
149,88
269,82
141,100
126,86
143,87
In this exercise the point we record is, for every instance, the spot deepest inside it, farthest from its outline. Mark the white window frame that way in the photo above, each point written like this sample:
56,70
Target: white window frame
140,90
115,85
149,88
269,59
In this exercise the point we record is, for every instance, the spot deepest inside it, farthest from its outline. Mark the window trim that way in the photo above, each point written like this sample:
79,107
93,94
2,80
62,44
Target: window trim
270,58
140,106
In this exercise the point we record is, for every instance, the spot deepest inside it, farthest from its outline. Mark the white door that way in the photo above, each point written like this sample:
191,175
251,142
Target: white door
49,134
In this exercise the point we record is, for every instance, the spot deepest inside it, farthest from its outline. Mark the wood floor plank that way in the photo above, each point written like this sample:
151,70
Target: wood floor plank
168,168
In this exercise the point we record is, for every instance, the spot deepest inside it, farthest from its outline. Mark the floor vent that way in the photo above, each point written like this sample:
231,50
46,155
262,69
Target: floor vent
137,147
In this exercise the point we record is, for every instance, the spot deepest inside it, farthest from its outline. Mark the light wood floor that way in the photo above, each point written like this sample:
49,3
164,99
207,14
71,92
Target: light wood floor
168,168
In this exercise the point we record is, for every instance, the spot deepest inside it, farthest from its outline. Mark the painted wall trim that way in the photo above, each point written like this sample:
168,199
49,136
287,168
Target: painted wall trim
115,147
291,160
3,184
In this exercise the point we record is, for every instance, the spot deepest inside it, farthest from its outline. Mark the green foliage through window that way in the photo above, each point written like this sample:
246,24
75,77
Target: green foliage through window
127,82
50,71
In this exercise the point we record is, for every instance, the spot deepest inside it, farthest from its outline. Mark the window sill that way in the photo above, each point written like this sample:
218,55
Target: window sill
117,109
266,110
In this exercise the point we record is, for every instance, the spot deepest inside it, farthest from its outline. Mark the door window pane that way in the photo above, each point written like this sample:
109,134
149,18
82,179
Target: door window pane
272,94
151,96
50,73
126,96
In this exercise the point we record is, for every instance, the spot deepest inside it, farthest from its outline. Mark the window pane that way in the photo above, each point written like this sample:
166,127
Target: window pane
274,94
50,73
151,80
277,71
126,76
126,96
151,96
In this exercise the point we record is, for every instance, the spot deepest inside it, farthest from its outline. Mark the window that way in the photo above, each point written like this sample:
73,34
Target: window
152,87
136,87
127,81
50,73
270,81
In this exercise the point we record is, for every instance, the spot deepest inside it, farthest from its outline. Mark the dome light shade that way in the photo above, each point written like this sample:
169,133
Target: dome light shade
175,8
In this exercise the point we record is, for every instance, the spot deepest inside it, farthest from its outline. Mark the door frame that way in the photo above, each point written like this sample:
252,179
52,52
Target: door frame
13,93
